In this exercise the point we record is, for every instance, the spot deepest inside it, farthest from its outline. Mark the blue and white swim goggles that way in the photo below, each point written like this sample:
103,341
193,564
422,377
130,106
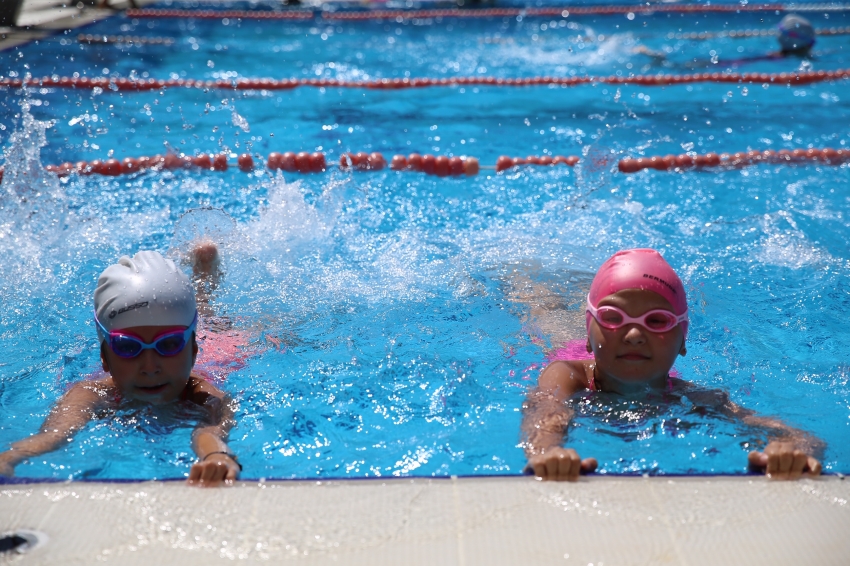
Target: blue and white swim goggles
169,343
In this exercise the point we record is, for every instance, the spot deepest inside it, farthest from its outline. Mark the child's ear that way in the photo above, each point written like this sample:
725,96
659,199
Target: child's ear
684,349
103,361
589,347
194,349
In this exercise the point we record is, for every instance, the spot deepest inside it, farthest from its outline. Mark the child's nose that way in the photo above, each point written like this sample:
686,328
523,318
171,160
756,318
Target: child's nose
149,361
634,335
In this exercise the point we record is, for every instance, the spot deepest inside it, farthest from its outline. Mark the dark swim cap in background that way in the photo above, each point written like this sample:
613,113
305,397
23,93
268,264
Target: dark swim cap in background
795,33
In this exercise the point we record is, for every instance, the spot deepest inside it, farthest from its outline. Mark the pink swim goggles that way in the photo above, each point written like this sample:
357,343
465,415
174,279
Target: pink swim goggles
167,344
657,320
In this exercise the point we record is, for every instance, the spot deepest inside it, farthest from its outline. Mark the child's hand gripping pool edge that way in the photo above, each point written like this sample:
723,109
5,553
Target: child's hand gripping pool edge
146,316
636,328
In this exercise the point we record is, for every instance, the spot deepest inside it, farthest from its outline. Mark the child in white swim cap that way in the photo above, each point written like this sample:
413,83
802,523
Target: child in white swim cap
146,314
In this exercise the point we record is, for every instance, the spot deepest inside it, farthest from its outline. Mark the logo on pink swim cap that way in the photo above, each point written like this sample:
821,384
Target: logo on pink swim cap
639,269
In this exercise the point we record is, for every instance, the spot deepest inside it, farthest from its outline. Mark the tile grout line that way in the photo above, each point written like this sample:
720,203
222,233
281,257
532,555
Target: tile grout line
461,558
666,520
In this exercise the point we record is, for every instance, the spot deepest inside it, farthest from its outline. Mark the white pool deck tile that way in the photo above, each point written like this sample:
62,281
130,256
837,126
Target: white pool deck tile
466,521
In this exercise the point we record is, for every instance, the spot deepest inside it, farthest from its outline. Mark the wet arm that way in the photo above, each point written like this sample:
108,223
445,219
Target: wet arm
70,414
782,432
545,421
216,463
789,453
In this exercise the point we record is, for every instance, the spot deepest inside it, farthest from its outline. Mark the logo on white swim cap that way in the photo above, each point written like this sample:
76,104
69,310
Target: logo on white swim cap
145,290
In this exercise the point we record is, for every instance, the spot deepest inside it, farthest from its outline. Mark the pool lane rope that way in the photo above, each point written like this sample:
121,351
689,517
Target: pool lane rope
304,162
127,84
688,161
97,39
93,39
551,12
745,33
441,166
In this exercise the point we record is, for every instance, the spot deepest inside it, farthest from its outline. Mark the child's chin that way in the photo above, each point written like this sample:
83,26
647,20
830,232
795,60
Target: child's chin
153,395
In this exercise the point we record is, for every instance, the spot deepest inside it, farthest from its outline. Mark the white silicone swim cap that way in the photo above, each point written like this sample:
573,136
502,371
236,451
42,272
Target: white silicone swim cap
796,33
145,290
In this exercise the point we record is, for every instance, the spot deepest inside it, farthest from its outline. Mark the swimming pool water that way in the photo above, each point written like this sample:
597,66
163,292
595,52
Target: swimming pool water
403,348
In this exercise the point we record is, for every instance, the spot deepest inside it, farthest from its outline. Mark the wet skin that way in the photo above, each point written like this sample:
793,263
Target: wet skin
631,358
150,377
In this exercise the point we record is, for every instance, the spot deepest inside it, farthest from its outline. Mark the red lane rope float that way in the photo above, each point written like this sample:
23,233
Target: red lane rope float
124,84
301,162
562,11
683,162
439,165
362,161
504,162
114,167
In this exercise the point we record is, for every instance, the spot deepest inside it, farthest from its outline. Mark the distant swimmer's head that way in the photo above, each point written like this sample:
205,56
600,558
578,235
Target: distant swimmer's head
796,34
145,290
644,270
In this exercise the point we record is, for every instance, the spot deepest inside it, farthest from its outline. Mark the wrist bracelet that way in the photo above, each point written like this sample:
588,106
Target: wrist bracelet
228,454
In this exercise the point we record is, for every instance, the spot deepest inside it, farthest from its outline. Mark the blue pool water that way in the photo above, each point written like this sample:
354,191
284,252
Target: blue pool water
405,348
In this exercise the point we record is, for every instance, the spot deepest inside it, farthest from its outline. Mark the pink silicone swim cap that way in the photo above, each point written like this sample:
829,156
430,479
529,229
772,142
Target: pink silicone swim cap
639,269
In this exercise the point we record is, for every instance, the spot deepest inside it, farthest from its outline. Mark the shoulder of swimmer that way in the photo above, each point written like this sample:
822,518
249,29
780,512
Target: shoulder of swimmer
701,397
81,402
200,391
564,378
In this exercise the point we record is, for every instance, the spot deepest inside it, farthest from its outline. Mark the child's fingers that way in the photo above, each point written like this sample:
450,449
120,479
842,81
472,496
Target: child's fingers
212,471
575,466
772,469
195,473
798,465
567,466
757,460
539,470
813,466
786,462
588,465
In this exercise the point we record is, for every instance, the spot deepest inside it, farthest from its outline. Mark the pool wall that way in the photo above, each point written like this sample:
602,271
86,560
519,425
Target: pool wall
599,521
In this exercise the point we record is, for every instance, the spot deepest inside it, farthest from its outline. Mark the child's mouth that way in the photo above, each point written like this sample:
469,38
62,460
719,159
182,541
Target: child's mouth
152,389
633,357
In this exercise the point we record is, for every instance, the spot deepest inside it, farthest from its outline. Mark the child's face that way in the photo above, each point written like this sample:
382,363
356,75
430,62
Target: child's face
150,377
631,354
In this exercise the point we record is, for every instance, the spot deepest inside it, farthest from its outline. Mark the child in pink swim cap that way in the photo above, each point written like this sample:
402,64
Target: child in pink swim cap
637,325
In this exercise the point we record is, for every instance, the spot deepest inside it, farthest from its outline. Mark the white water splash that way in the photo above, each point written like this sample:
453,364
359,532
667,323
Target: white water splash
239,121
785,245
33,207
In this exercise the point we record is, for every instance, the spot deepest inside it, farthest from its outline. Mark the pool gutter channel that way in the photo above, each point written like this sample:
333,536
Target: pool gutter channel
499,520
